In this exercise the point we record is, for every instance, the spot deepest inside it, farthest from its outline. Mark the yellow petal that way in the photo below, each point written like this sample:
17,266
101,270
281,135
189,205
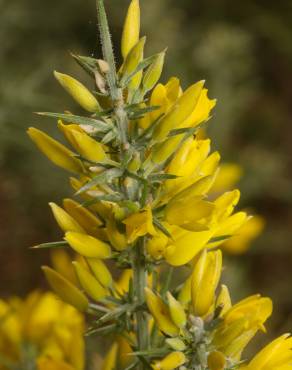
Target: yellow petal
109,363
181,110
83,143
205,278
160,313
170,362
216,361
56,152
100,271
66,290
131,28
177,311
78,92
87,245
64,220
89,283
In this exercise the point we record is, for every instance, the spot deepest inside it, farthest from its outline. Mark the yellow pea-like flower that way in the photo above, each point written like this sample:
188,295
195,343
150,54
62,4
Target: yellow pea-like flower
156,245
170,362
89,283
87,245
201,111
277,355
139,224
153,73
236,346
159,99
83,143
185,245
223,300
185,295
64,220
134,57
181,110
162,151
56,152
118,239
100,271
65,289
131,28
176,311
110,360
62,263
78,92
161,313
86,219
205,278
216,361
229,175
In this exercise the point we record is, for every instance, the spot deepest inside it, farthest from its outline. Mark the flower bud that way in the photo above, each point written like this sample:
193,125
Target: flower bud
134,57
153,73
88,282
160,312
176,310
64,220
100,271
65,289
87,245
83,143
131,28
216,361
56,152
205,278
78,92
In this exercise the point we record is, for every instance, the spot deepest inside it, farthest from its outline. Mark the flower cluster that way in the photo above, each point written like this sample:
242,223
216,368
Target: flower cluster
153,196
40,332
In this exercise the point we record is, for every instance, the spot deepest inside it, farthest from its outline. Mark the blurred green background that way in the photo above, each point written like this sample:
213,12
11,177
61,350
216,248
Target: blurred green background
242,49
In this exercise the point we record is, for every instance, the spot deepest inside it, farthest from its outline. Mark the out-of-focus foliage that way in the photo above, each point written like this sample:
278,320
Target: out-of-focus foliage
242,49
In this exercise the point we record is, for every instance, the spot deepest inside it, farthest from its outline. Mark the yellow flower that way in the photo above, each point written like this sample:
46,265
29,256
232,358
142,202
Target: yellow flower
275,356
181,110
50,328
56,152
110,360
160,312
205,278
78,92
139,224
170,362
65,289
86,146
131,28
87,245
89,283
64,220
240,324
240,242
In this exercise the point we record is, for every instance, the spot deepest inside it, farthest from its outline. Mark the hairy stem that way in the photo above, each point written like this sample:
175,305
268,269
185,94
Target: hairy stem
140,282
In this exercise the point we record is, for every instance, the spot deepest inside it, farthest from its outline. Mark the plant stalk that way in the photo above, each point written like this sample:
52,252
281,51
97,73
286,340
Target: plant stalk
140,282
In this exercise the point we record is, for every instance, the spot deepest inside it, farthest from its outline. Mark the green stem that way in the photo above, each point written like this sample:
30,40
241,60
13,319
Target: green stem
115,92
140,282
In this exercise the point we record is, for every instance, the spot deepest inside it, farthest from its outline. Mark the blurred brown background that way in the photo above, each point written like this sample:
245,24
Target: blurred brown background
242,49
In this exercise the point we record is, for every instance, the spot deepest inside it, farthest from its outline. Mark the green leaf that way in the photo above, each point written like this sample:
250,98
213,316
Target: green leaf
162,177
220,238
87,63
142,65
104,330
110,136
102,178
79,120
115,198
52,245
159,225
183,130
